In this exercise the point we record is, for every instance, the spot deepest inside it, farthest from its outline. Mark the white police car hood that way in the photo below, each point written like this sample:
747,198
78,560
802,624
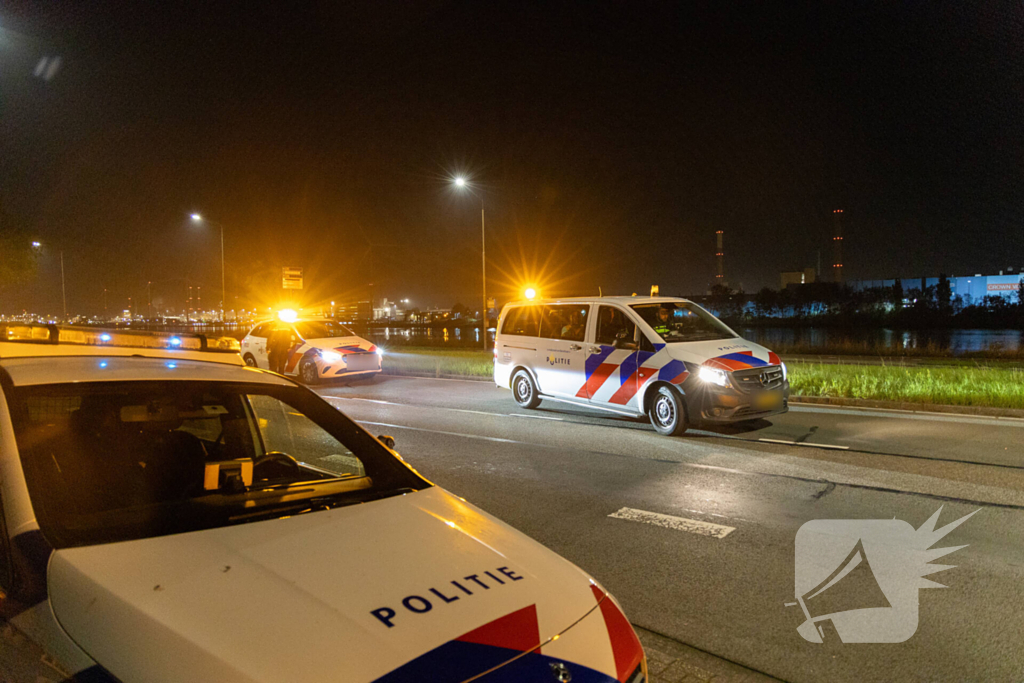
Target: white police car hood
347,594
727,354
342,345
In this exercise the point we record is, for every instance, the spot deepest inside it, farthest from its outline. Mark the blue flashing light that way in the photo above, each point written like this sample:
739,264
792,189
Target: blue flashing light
103,363
174,341
171,365
105,337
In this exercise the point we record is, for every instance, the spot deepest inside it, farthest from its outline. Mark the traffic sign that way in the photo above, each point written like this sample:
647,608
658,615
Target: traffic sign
291,278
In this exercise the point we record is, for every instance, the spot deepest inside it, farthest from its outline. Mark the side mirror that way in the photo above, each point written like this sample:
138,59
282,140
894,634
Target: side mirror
623,340
388,441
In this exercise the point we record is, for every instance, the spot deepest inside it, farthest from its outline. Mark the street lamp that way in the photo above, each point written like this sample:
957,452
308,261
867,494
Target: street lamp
198,218
36,244
462,184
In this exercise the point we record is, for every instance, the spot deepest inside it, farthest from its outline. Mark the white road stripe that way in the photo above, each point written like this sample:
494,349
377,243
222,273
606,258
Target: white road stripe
694,526
806,443
438,431
538,417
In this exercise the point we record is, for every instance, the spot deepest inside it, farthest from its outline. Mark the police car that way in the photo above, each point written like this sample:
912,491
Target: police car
169,514
661,357
313,349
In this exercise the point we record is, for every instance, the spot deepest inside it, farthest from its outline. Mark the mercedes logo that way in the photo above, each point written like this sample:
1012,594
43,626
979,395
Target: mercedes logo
561,672
763,377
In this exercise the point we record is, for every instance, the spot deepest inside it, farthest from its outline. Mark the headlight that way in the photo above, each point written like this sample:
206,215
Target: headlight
330,356
713,376
380,352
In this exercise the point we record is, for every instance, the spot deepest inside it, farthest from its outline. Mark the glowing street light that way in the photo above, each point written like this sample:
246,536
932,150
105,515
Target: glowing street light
198,218
461,183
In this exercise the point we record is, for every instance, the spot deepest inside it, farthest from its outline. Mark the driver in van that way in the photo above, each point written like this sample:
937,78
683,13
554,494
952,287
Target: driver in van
661,324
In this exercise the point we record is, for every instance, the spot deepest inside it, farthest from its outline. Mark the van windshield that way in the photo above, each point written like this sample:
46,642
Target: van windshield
682,321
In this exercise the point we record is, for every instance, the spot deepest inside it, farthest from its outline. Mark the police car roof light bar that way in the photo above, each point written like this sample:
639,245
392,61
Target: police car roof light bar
36,333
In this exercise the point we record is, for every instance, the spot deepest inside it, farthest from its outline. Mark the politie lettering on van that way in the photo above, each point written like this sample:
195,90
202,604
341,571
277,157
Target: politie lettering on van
661,357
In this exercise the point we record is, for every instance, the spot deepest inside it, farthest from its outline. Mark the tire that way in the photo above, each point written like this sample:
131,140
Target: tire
668,412
250,360
524,391
308,372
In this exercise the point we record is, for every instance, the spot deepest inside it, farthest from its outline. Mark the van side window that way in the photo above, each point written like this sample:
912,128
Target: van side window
613,323
261,331
564,321
521,322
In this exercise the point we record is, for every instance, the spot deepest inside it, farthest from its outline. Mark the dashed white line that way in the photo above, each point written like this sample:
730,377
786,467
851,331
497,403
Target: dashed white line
806,443
438,431
538,417
693,526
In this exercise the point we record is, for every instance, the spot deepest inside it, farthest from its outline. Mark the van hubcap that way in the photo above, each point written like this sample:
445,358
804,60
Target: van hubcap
308,372
664,411
523,390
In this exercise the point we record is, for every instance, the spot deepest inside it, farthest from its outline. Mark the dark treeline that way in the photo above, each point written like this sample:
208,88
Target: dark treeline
826,303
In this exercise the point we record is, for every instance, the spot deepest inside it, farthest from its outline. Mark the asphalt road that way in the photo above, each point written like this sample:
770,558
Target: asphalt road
559,472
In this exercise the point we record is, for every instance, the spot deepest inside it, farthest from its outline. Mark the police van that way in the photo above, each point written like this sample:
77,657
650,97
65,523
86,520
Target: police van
169,514
661,357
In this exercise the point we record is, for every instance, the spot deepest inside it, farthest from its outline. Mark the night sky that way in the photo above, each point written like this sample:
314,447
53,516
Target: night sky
608,141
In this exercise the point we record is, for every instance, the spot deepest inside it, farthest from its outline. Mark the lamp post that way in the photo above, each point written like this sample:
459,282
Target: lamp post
63,289
462,184
198,218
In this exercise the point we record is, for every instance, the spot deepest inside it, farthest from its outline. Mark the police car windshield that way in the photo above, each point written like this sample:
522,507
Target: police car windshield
682,321
321,330
112,461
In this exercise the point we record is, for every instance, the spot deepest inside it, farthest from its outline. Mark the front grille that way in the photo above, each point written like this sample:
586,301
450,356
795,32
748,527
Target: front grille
758,379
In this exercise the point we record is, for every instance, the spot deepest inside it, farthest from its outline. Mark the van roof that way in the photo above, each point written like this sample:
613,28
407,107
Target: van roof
625,300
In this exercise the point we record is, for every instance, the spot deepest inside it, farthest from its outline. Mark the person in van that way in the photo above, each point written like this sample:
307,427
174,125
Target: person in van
661,325
574,328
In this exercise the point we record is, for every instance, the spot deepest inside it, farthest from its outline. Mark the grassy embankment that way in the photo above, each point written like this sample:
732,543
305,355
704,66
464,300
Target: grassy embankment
959,383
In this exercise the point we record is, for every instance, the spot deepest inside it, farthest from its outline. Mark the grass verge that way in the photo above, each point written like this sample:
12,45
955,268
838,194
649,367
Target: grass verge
410,360
957,385
944,385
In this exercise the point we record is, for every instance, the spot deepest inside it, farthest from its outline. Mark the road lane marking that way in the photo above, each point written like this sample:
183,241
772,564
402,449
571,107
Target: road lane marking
454,410
694,526
804,443
438,431
538,417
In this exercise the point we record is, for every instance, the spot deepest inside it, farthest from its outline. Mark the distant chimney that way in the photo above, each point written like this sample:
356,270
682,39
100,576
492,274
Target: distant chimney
837,245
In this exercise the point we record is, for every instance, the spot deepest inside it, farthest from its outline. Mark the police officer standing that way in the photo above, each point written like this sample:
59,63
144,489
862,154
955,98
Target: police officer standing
277,349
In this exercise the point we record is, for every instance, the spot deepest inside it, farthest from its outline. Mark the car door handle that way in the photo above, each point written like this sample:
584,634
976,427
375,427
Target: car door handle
595,349
575,347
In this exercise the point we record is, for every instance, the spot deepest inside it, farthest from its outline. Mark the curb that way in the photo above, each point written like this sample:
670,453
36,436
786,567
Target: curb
438,375
983,411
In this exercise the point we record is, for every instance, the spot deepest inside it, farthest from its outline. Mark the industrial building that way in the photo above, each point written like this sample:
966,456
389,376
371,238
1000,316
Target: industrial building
973,289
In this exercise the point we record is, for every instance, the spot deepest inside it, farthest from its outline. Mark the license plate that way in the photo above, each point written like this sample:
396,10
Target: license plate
768,401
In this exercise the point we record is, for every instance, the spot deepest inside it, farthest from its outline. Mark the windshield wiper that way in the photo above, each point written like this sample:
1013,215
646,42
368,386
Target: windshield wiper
324,502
